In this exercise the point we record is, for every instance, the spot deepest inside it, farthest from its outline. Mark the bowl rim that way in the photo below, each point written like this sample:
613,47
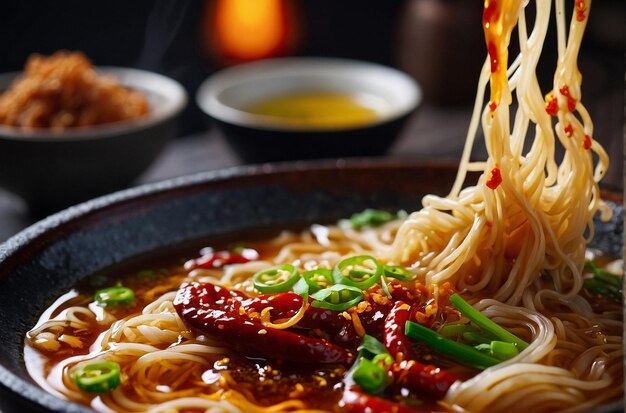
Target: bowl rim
175,101
207,94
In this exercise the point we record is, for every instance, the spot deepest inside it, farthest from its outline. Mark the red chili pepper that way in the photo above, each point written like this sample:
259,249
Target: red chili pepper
286,305
373,321
214,310
217,259
580,10
495,179
416,376
552,107
416,295
569,130
493,106
571,102
587,142
492,49
354,401
394,338
406,371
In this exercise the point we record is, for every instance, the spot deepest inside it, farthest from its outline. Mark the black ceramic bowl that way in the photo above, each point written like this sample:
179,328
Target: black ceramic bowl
54,169
225,96
45,260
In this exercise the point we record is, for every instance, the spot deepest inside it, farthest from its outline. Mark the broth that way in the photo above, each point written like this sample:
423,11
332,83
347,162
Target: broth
229,376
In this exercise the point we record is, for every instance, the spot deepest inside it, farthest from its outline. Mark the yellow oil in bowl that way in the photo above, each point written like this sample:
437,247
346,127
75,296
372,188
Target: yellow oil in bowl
316,110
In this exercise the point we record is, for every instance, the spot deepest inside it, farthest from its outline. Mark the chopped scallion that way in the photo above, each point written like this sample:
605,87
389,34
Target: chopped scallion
460,352
485,323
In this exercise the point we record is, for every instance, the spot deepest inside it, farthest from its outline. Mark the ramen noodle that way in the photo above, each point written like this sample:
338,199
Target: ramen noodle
64,91
486,300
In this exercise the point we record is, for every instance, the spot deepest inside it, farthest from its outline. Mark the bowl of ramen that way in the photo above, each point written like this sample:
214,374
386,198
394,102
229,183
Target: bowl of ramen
307,108
70,131
98,303
331,287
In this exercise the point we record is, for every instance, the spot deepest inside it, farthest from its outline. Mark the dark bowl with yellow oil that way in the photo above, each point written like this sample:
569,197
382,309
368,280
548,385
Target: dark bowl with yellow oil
309,108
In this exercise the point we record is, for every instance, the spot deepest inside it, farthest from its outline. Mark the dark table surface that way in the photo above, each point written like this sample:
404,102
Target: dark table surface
432,133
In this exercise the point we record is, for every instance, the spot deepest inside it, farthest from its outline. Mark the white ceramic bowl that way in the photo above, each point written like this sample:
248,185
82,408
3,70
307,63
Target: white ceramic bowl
225,96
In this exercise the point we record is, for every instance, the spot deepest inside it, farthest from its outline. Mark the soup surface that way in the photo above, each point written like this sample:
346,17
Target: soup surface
167,359
318,109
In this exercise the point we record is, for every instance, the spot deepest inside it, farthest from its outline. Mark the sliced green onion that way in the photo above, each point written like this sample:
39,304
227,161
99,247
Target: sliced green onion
398,272
604,276
371,218
477,337
98,377
603,283
338,297
276,280
372,346
597,287
361,271
370,377
114,296
318,279
460,352
455,331
499,349
485,323
503,350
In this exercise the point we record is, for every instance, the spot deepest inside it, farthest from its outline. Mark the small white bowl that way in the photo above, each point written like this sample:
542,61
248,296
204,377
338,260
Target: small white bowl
225,96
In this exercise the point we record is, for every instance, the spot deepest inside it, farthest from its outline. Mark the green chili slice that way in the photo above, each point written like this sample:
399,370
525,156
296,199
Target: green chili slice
369,376
114,296
338,297
98,377
460,352
318,279
383,360
485,323
361,271
398,272
276,280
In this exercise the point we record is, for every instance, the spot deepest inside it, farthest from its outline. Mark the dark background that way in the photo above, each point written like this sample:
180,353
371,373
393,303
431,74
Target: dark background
164,36
434,40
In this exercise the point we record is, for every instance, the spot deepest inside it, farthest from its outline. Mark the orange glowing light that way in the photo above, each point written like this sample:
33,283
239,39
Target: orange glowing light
250,29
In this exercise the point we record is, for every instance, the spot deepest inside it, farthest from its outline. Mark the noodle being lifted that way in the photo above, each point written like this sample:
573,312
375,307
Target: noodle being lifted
481,301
